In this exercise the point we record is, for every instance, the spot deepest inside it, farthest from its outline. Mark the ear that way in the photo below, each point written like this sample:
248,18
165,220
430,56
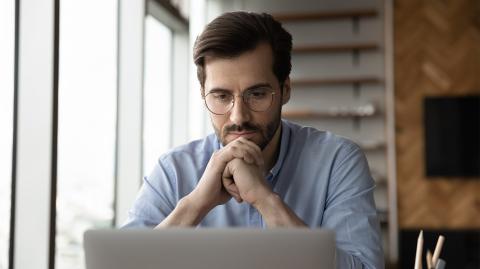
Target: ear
286,91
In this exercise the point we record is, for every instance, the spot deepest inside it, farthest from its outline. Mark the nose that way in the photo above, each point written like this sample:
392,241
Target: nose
239,113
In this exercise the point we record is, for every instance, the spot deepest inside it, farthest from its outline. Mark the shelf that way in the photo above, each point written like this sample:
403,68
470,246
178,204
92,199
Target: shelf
325,15
379,178
335,81
334,47
371,146
361,111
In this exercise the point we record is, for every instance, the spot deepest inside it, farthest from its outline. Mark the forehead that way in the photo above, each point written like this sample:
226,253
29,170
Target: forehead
250,68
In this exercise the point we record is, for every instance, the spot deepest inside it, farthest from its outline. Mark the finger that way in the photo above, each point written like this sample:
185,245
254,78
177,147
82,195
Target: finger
227,178
234,192
237,197
246,148
251,144
238,150
242,153
227,175
229,184
219,160
260,161
232,188
234,195
253,148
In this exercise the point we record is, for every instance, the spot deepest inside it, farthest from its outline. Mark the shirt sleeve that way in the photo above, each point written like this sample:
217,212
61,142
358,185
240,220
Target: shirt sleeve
155,200
351,212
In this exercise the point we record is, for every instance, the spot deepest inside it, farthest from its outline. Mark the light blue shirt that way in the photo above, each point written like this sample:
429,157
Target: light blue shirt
322,177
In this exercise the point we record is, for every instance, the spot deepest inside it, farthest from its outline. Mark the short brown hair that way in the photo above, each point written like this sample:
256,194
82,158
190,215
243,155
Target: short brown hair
234,33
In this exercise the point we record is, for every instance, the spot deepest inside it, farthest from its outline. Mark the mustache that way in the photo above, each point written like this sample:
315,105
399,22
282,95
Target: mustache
246,127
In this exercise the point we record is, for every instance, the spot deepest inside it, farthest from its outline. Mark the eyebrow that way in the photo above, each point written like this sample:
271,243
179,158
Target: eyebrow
255,86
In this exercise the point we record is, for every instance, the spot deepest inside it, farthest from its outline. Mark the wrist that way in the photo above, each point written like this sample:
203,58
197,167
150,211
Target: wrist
268,199
186,214
192,210
195,204
276,213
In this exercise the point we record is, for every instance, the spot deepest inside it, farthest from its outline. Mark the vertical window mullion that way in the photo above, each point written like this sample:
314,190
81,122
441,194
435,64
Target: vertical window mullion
53,163
129,117
7,91
197,120
34,131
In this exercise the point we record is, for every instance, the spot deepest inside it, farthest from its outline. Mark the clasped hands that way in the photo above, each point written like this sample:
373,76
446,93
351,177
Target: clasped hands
237,170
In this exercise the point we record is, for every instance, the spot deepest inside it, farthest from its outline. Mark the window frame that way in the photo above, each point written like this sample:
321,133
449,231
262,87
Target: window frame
10,243
169,16
32,234
129,157
78,125
34,150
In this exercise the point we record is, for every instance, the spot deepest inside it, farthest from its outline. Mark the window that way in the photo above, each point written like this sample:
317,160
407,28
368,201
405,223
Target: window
157,92
86,124
7,52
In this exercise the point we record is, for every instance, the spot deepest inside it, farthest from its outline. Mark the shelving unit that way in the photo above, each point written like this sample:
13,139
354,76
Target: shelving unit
336,81
360,112
325,15
326,48
344,82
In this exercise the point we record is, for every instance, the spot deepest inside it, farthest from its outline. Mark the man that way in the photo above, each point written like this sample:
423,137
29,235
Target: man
280,174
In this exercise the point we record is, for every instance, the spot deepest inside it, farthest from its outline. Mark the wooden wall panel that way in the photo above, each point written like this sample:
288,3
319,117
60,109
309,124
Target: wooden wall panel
437,52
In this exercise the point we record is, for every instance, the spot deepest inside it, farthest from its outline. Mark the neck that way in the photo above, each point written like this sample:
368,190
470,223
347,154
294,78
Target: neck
270,152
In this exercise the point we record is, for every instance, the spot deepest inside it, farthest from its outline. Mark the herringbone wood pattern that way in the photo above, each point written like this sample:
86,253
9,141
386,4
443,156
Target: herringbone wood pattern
437,52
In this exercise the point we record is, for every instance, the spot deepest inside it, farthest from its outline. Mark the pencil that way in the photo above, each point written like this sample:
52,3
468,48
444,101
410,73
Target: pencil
429,260
438,249
418,256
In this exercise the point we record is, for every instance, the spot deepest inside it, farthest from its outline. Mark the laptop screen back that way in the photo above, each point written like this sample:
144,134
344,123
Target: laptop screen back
210,248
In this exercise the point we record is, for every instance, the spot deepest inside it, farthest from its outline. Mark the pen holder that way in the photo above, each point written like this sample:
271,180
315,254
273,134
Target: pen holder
440,264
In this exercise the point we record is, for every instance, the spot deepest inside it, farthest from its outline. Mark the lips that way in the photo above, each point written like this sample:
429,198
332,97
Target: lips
242,134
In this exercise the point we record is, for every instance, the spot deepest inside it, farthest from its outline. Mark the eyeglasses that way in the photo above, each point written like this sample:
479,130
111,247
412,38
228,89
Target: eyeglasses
220,102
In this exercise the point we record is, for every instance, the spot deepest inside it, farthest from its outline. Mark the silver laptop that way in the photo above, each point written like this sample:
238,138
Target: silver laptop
208,248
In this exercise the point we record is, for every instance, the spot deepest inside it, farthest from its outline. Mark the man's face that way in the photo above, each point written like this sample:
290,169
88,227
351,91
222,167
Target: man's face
236,75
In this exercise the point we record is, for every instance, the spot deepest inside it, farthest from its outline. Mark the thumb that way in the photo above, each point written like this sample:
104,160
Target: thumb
230,186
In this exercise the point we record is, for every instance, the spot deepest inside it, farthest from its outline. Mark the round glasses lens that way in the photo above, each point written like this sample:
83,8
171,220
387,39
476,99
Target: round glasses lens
259,99
219,102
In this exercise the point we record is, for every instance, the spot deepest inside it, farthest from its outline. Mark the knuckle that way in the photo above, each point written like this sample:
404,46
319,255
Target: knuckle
215,156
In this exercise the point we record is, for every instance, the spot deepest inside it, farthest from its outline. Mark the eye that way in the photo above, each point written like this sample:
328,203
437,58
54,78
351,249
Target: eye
221,96
258,93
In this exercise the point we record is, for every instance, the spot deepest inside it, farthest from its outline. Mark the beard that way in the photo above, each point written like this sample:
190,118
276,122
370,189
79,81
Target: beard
266,132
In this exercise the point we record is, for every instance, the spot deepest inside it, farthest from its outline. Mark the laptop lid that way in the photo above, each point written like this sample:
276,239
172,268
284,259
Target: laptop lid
209,248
